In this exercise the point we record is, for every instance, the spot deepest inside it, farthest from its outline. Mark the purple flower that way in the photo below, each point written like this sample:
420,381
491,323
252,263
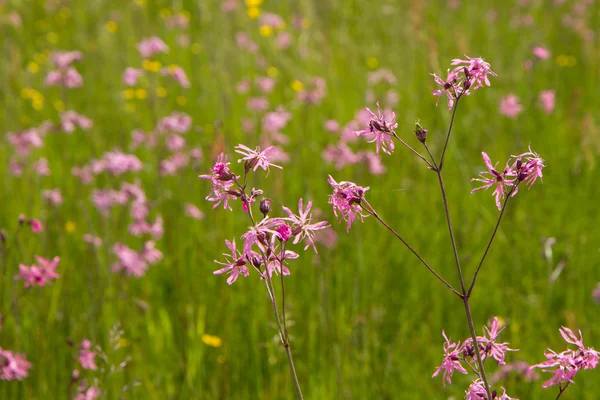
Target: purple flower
131,75
130,261
235,263
178,74
547,97
151,46
477,391
570,361
222,179
284,232
255,158
528,167
39,275
302,228
346,200
541,52
500,180
475,72
449,88
510,106
13,366
86,356
381,129
451,361
260,233
488,344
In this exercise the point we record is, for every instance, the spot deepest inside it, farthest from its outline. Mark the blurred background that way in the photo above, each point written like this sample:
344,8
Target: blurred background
104,147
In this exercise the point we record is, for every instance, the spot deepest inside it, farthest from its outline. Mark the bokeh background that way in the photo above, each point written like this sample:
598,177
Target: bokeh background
366,318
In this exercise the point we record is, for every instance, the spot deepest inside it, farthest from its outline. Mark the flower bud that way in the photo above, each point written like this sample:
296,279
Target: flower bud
3,236
420,132
22,219
265,206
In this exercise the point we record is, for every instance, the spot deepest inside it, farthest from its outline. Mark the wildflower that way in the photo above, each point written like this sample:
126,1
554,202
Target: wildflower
276,120
222,179
63,59
69,120
570,361
130,261
451,361
346,199
36,225
450,88
510,106
41,167
284,232
477,391
277,263
178,74
382,129
39,275
192,211
212,341
131,75
260,233
177,122
488,344
528,167
332,125
541,52
302,228
255,159
13,366
235,263
91,393
475,71
501,180
93,240
148,47
547,97
86,356
596,293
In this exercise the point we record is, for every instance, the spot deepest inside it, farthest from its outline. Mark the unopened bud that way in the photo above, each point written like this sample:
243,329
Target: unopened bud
265,206
3,236
420,132
256,262
249,164
22,219
234,192
256,192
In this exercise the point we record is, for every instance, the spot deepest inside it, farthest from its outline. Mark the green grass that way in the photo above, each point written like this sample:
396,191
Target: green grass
367,317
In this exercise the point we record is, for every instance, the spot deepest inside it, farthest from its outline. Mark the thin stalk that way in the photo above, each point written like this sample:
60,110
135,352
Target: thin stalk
562,390
411,149
491,238
474,337
283,291
372,211
441,163
430,156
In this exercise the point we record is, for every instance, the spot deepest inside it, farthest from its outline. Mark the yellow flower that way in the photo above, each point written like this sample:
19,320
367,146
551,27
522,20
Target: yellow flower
172,68
182,101
571,61
164,13
26,93
64,13
140,3
52,37
297,85
272,72
123,342
254,3
152,66
59,105
70,226
111,26
161,92
212,341
196,48
372,62
141,94
265,30
33,67
253,12
129,94
37,103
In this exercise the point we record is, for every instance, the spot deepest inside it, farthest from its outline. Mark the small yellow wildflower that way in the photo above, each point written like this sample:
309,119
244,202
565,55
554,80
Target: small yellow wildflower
111,26
272,72
172,68
212,341
128,94
141,94
254,3
253,12
59,105
122,342
64,13
164,13
70,226
52,37
265,30
372,62
161,92
297,85
152,66
37,103
140,3
182,101
33,67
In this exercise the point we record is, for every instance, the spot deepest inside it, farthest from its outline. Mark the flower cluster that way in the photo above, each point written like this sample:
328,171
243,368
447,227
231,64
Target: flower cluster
64,74
381,130
13,366
526,167
566,364
346,200
40,274
469,74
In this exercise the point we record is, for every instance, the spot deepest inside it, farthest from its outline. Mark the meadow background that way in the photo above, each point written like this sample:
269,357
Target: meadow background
367,317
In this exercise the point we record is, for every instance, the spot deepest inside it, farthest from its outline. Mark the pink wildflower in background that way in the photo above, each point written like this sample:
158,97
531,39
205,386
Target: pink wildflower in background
178,74
53,197
477,391
257,104
41,167
130,261
93,240
229,6
567,364
70,120
40,274
13,366
63,59
510,106
283,40
541,52
381,129
131,75
596,294
332,125
36,225
346,200
192,211
255,158
177,122
148,47
547,98
235,263
266,84
86,356
91,393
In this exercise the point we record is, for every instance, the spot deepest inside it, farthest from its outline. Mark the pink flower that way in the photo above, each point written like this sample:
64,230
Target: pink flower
332,125
93,240
41,167
510,106
91,393
547,97
53,197
477,391
63,59
87,357
541,53
381,128
36,225
255,159
39,275
284,232
229,6
177,122
490,347
257,104
178,74
272,20
243,86
346,199
276,120
266,84
69,120
150,253
450,88
13,366
148,47
235,263
131,75
257,235
192,211
302,226
475,72
502,181
283,40
130,261
223,180
528,167
451,363
596,293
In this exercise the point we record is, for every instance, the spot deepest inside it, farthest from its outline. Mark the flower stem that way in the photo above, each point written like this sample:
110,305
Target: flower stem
562,390
474,337
441,163
411,149
491,238
372,211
